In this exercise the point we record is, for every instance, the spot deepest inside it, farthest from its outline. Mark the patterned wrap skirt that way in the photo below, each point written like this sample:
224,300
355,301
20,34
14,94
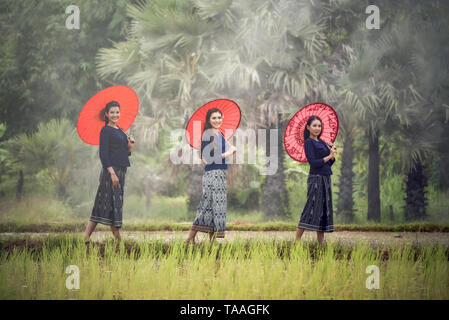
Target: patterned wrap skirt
108,206
211,213
317,214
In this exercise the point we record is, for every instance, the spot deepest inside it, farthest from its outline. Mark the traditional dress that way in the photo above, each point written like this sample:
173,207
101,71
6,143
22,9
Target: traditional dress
317,214
108,206
211,213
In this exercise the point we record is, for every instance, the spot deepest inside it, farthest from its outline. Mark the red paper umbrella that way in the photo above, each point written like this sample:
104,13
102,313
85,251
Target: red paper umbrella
294,133
231,120
90,121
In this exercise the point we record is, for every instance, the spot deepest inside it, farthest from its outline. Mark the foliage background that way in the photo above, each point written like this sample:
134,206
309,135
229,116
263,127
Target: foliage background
272,57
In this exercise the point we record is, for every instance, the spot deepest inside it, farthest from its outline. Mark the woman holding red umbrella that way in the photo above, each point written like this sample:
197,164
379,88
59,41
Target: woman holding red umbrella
317,214
115,148
309,137
211,214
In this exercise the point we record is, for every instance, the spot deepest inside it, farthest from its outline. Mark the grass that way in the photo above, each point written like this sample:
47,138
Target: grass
238,270
35,209
80,225
45,214
161,208
438,207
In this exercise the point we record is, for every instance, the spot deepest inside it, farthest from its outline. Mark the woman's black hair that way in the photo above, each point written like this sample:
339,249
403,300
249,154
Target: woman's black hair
103,112
307,132
207,126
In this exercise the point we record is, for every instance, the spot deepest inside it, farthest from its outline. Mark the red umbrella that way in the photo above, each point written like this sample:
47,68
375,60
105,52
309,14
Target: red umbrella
294,133
90,121
231,120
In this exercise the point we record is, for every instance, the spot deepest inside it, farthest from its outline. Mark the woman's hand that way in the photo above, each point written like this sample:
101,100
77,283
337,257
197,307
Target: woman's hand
115,180
332,149
130,143
230,152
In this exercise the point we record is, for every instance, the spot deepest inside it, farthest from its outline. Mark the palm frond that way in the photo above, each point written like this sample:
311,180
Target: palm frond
217,9
114,61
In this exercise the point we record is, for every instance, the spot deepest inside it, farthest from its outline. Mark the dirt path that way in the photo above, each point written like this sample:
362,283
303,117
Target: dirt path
343,237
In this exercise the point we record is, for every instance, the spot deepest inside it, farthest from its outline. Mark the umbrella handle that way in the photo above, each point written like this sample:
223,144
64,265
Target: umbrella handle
124,132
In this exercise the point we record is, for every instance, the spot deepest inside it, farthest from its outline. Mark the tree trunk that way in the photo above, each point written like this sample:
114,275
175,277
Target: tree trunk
62,192
443,155
345,202
443,171
415,201
2,193
195,187
275,197
373,177
20,186
391,213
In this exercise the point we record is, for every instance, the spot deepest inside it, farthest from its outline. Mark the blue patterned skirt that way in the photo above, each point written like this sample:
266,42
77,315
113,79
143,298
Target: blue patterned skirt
211,213
317,214
108,204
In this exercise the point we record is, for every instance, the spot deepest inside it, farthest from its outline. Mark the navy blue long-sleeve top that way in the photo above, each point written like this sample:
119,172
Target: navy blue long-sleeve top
216,161
113,147
315,152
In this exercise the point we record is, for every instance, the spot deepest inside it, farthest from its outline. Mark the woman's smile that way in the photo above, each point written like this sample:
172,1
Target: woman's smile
114,114
216,120
315,128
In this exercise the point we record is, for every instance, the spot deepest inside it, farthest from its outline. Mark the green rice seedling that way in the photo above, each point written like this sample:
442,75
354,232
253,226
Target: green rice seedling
241,269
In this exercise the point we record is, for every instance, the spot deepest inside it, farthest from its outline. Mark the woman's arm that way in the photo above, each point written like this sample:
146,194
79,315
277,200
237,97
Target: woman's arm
130,144
104,149
313,160
310,155
104,156
333,151
230,149
229,153
329,158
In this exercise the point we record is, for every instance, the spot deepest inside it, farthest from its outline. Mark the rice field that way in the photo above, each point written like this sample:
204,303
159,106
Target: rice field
244,268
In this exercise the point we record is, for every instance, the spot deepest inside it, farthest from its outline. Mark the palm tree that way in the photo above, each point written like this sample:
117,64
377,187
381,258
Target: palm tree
425,120
380,86
54,148
357,90
350,124
272,66
349,130
5,159
161,59
178,54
